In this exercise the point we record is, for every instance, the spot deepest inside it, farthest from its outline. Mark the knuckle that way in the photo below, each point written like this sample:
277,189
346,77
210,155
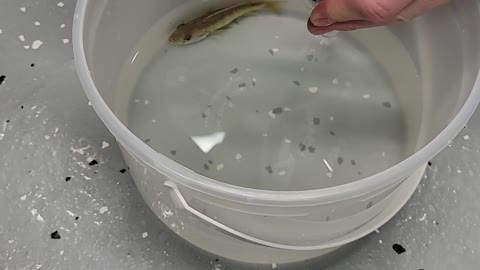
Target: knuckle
401,18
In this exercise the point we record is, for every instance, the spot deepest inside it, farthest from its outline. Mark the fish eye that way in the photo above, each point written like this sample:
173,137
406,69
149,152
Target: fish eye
188,37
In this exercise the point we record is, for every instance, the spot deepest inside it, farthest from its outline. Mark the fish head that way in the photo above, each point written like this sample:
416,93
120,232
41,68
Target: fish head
186,34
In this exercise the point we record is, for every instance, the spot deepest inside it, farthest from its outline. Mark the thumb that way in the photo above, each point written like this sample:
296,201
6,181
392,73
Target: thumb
331,11
378,11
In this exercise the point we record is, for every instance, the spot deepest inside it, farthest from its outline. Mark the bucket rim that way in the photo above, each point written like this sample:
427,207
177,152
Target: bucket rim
190,179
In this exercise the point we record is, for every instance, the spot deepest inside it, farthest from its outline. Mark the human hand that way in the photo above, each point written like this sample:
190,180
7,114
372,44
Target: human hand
347,15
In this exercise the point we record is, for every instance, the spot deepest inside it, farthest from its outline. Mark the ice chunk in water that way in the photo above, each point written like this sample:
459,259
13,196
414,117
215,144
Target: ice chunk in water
206,143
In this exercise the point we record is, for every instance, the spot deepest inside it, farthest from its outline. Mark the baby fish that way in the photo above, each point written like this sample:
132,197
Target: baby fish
199,28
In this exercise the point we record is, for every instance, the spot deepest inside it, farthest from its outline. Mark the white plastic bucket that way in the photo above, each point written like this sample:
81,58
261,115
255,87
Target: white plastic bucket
263,226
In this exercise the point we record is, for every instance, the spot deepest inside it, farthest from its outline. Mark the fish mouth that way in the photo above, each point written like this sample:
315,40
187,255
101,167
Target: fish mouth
172,41
175,40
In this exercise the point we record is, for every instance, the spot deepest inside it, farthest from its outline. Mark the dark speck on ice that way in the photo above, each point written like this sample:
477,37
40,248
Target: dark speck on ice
242,85
68,178
353,162
123,171
316,121
32,64
297,83
332,133
269,169
278,110
206,167
234,71
76,218
93,162
147,140
55,235
387,104
398,248
339,160
311,149
302,146
210,162
204,116
310,57
369,205
173,152
271,52
2,79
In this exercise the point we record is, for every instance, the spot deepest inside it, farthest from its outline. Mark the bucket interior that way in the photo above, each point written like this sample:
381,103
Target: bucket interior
286,110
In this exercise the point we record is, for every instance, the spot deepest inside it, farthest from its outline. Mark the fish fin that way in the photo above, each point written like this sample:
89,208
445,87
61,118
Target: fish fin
224,28
252,13
275,6
219,31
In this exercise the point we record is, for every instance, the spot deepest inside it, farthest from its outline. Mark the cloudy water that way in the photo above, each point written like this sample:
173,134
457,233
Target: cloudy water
267,105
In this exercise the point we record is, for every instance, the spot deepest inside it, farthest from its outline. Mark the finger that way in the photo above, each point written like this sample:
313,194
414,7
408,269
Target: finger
327,12
340,26
377,11
417,8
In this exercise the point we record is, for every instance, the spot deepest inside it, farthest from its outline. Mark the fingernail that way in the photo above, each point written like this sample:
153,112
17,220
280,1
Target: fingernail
322,22
320,16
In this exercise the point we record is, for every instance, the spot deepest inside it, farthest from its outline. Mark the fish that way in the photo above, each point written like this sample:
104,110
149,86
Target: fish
218,20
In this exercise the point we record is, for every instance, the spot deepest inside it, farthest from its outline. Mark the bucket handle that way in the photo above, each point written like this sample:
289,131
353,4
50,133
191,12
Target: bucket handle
182,203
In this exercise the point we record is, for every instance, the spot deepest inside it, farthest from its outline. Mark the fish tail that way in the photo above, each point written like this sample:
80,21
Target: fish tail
275,6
